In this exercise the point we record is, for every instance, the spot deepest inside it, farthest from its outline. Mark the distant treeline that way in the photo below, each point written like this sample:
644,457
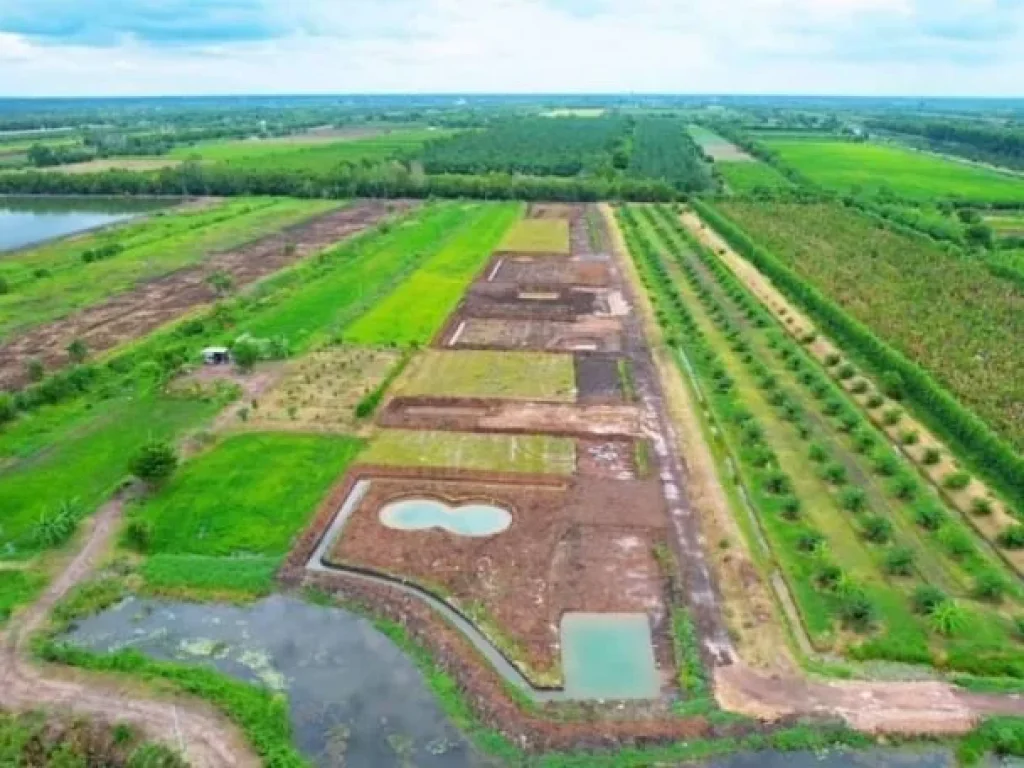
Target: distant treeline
993,143
390,180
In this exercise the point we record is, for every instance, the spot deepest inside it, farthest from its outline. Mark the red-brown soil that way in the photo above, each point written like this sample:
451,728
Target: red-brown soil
547,270
152,304
587,547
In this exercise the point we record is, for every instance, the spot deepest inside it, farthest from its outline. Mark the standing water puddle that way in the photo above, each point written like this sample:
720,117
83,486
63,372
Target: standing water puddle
355,699
466,520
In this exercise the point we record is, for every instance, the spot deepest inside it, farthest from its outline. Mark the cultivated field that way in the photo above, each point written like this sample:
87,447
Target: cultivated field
538,236
486,374
719,149
859,166
751,175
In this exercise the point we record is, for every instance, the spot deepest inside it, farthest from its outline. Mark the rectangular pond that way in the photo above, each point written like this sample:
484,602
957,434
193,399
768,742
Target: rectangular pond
26,221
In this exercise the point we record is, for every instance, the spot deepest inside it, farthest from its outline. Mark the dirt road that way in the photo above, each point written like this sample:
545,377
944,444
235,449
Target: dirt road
205,737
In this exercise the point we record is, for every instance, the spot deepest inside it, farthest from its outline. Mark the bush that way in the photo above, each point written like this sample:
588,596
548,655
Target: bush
138,535
35,370
875,401
990,586
245,353
776,482
899,561
856,610
832,359
877,529
927,598
8,408
853,499
929,516
956,481
932,456
863,441
828,576
891,417
789,507
948,618
56,526
834,473
1012,537
817,453
893,386
77,351
5,287
884,463
956,541
810,541
981,506
903,487
859,387
154,462
910,436
846,371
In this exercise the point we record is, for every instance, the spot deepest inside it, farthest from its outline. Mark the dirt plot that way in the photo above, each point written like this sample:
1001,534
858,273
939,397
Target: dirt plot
460,415
599,379
588,547
152,304
588,333
539,301
319,392
554,211
526,270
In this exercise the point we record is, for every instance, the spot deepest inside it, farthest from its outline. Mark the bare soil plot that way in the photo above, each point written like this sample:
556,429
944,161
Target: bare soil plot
319,392
460,415
541,270
580,548
137,312
599,378
487,374
588,333
717,148
567,211
524,300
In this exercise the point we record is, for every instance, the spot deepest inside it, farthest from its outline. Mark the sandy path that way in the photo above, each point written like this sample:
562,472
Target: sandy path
205,737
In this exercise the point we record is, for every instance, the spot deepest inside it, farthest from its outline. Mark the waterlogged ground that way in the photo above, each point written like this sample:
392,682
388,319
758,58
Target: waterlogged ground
355,699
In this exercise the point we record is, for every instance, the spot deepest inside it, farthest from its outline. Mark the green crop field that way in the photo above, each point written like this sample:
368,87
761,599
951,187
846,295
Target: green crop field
249,494
950,315
534,454
487,374
317,156
415,311
52,281
750,175
538,236
857,166
1006,224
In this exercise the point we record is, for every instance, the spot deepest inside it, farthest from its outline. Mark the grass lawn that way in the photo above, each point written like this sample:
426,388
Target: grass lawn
18,588
415,311
179,574
151,248
479,373
465,450
748,176
848,166
538,236
249,494
1006,224
86,463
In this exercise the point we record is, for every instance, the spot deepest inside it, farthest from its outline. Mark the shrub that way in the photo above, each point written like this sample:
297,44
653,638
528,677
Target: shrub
776,482
981,506
846,371
138,535
948,618
789,507
5,287
245,353
809,338
875,401
77,351
884,463
832,407
903,487
893,386
863,441
1012,537
929,516
891,417
1018,625
899,561
910,437
990,586
56,526
752,433
828,576
927,598
834,472
817,453
856,610
859,387
956,541
8,408
762,456
154,462
832,359
35,370
853,499
956,481
931,456
810,541
877,529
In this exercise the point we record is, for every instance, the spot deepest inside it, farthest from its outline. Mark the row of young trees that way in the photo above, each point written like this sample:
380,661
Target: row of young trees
391,180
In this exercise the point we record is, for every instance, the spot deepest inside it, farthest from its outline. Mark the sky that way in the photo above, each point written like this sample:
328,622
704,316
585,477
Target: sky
178,47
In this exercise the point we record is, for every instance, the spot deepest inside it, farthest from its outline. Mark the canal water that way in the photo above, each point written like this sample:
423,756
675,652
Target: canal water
355,699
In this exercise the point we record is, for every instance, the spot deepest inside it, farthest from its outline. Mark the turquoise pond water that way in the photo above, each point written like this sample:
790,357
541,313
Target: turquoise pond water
464,520
609,656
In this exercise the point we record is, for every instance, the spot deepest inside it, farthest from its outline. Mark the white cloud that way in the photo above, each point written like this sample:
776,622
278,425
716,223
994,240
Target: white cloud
810,46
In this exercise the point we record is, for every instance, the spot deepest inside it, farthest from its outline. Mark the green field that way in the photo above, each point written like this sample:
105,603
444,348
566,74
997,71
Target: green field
721,150
1006,223
248,495
745,177
53,280
487,374
862,167
464,450
415,311
538,236
83,460
950,315
315,157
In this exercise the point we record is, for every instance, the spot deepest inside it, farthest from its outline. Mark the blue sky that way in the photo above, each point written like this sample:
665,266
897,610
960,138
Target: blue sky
151,47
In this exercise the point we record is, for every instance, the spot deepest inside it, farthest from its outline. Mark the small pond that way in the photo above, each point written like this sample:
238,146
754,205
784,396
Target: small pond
27,221
465,520
355,699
